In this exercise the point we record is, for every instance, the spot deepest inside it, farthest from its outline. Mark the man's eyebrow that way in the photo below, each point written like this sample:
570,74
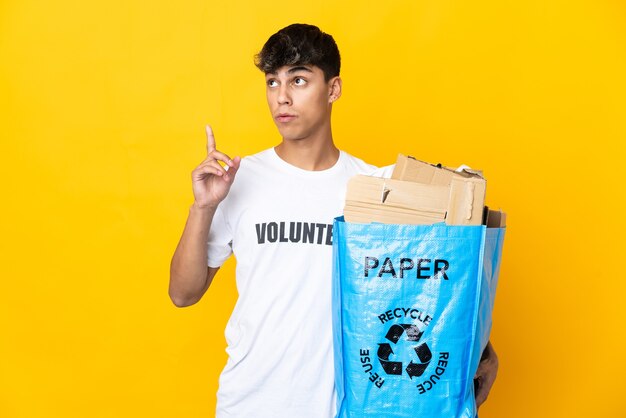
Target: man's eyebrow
299,68
290,71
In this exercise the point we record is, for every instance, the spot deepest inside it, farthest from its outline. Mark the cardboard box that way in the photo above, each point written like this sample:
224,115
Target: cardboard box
417,193
494,218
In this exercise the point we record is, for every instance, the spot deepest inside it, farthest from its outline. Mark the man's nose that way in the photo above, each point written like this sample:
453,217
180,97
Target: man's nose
283,95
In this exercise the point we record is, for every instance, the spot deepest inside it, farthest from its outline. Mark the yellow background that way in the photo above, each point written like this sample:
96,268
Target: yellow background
102,108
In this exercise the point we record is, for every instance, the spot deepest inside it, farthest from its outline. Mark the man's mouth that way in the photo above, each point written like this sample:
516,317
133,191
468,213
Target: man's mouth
285,117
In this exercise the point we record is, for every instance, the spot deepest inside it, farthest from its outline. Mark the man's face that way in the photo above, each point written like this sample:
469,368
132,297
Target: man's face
299,100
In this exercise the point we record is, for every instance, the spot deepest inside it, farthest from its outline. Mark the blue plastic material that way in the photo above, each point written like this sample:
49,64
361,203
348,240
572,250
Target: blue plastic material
412,311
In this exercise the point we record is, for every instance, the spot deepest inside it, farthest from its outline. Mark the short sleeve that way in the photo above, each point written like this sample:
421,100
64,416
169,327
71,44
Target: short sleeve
220,239
384,172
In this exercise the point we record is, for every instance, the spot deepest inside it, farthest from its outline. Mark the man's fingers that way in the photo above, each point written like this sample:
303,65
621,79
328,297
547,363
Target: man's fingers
480,393
484,387
201,172
486,376
212,152
479,384
232,170
213,156
210,167
236,162
210,139
217,166
221,156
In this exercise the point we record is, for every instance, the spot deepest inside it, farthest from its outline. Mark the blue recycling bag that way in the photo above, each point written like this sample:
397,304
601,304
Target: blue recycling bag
412,311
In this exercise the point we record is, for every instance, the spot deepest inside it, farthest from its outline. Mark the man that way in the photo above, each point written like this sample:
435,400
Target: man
274,211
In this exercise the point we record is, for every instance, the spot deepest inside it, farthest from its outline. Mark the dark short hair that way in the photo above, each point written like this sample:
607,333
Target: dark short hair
300,44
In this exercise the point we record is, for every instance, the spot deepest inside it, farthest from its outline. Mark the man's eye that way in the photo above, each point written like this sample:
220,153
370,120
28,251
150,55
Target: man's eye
271,83
300,81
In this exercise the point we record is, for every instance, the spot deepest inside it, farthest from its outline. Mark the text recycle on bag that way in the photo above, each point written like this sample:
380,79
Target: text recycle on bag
411,315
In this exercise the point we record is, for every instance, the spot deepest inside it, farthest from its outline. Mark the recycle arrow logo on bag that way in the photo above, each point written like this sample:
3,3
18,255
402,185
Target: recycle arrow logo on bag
423,352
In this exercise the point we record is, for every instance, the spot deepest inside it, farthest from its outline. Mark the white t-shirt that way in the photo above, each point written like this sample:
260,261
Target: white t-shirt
277,220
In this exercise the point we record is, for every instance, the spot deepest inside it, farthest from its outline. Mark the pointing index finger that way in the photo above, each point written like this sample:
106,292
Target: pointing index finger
210,139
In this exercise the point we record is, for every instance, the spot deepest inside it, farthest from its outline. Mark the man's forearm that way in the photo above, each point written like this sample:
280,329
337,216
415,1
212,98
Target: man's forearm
188,269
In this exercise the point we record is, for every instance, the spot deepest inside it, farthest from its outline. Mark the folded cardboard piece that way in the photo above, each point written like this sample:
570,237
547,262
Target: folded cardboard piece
420,193
494,218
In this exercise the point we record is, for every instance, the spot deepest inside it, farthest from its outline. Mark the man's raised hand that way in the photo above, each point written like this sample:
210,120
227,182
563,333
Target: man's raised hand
210,180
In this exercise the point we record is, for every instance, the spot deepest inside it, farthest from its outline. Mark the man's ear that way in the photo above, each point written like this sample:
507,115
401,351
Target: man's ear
334,89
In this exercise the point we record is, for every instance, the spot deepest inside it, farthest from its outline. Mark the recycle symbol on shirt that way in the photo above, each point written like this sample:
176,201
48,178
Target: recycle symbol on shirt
413,335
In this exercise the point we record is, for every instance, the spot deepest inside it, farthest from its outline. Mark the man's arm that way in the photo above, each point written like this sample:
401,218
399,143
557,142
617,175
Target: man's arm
486,374
189,275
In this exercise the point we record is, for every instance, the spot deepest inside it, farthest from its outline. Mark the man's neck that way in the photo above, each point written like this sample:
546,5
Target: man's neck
313,154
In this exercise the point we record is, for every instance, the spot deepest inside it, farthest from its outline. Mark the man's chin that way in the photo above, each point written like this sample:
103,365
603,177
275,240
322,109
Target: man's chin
291,136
